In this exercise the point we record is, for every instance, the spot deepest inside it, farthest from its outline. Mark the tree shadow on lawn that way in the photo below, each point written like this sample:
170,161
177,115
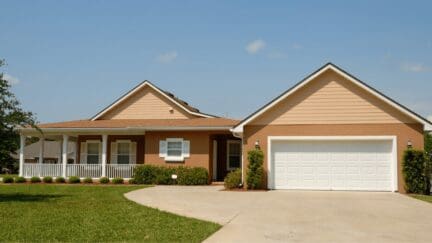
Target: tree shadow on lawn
20,197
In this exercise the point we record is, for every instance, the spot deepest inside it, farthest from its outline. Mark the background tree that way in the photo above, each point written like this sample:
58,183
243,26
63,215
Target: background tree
11,116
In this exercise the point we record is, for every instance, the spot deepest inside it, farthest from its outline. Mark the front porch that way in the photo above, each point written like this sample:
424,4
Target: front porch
94,158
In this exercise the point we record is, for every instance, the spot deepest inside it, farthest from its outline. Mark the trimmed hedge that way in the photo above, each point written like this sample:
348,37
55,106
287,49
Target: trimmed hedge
47,179
74,180
117,180
233,179
104,180
35,179
416,171
20,179
8,179
161,175
132,181
255,170
88,180
60,179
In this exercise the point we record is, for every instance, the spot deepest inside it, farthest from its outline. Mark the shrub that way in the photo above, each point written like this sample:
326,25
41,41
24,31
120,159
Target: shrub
8,179
88,180
117,180
150,174
35,179
192,176
132,181
74,180
60,179
20,179
415,171
104,180
255,170
47,179
233,179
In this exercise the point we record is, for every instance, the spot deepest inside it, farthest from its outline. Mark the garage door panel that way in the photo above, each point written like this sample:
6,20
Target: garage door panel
332,165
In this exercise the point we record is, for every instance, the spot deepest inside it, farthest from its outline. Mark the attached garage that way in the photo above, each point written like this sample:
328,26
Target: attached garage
332,131
332,163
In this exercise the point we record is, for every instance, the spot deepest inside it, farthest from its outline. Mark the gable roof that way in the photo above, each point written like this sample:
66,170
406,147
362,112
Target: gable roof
330,66
180,103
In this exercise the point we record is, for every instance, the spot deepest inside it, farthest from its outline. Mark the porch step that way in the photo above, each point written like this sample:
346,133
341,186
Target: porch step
217,183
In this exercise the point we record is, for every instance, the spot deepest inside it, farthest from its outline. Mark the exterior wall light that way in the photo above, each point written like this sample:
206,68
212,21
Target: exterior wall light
257,145
409,143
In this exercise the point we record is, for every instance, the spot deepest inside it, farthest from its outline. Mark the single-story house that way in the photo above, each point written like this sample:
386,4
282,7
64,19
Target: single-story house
330,131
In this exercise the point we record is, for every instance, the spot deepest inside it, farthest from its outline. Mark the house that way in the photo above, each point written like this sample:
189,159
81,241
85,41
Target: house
331,131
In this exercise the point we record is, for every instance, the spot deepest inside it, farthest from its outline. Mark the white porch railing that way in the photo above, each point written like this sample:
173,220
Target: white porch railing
84,170
120,170
31,169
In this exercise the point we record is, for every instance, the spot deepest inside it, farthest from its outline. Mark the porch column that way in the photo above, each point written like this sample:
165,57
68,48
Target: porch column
21,155
104,153
65,153
41,154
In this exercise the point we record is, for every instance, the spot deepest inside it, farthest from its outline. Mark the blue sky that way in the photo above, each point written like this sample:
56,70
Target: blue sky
69,59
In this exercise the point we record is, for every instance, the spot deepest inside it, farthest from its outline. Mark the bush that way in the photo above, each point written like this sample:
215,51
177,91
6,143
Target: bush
8,179
60,179
233,179
255,170
20,179
104,180
47,179
192,176
132,181
35,179
88,180
415,171
74,180
151,174
117,180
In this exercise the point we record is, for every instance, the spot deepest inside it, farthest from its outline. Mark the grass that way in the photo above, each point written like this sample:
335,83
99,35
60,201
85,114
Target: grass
77,213
426,198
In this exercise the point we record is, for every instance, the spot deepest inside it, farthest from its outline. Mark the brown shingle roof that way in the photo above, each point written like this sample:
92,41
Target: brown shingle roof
129,123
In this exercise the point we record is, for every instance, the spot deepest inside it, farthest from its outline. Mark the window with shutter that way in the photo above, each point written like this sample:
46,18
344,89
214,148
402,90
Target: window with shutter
123,152
93,152
174,149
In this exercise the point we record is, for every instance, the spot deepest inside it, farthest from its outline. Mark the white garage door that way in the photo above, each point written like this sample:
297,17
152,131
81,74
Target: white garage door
332,164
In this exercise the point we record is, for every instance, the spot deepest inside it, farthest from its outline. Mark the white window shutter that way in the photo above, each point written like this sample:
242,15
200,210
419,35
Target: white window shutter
83,153
133,153
113,159
162,148
186,148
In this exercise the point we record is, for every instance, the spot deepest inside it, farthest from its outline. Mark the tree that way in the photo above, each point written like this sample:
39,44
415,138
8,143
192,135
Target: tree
11,116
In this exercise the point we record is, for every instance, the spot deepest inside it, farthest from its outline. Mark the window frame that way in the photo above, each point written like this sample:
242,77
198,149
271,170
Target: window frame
88,142
129,142
229,168
174,158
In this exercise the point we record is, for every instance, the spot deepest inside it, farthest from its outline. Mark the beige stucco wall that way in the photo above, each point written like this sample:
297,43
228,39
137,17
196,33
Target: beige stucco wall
331,99
147,103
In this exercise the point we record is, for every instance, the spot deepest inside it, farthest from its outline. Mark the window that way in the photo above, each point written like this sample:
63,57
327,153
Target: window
123,153
233,154
174,149
92,152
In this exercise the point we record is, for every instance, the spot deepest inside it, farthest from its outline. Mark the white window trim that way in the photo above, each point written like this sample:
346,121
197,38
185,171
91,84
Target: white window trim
228,153
174,158
98,142
129,142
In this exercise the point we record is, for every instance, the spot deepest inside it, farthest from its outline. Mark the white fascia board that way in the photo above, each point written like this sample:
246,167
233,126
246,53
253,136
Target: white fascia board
239,127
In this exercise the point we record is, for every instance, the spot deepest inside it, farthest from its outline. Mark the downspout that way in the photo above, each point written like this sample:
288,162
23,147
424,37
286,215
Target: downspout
240,135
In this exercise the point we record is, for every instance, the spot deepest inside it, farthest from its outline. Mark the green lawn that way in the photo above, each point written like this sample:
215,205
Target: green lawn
89,213
426,198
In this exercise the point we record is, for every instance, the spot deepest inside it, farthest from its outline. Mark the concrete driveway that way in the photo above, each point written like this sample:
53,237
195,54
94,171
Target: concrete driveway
297,216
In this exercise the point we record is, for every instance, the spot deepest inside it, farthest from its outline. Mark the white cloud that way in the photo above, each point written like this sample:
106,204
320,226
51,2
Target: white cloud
255,46
414,67
296,46
167,57
11,79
